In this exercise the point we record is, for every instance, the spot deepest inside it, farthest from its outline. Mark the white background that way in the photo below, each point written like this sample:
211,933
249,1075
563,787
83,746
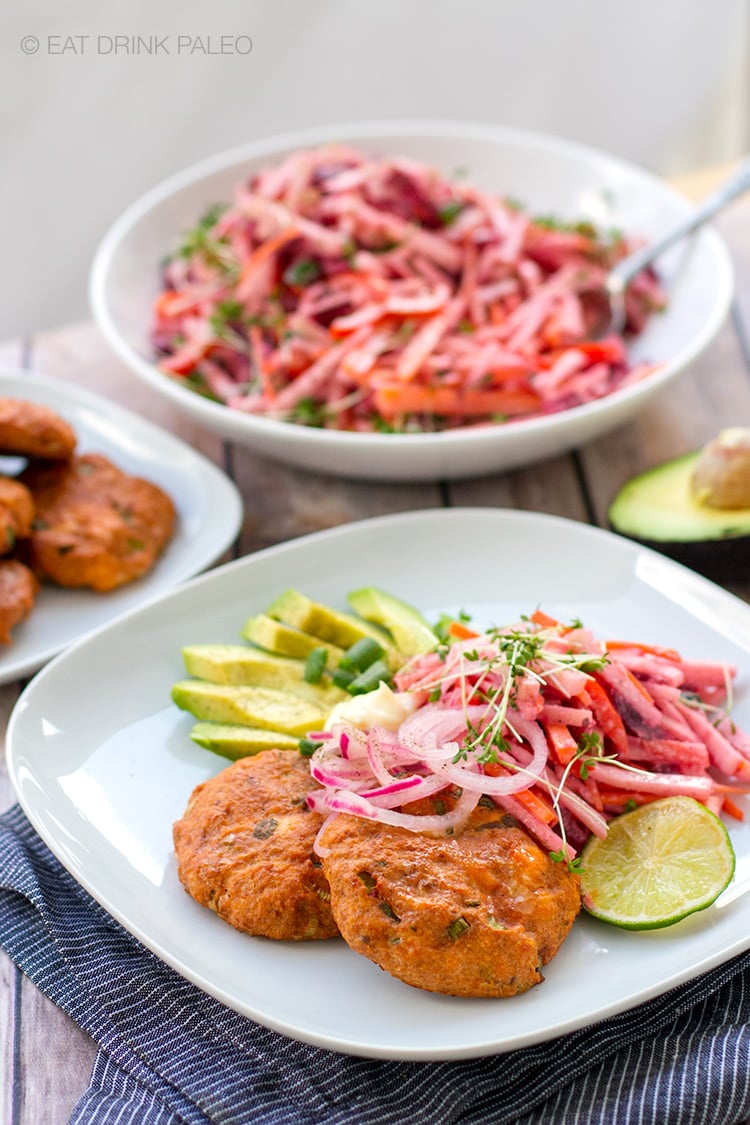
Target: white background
86,130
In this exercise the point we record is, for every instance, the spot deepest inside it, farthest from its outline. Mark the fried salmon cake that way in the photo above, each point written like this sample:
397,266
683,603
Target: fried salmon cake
16,513
18,590
244,849
28,429
95,525
477,913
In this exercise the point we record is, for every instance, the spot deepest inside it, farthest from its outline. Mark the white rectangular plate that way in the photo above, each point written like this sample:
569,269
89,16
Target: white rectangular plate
209,513
103,764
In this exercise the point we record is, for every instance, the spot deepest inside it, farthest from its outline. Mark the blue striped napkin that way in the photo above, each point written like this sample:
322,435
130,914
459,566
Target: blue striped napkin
169,1054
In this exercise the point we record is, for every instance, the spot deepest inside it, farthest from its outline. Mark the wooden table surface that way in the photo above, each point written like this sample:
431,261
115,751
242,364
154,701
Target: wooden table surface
45,1060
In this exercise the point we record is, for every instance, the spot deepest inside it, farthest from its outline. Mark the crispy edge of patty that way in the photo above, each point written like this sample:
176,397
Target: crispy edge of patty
29,429
16,513
244,849
474,914
95,525
18,590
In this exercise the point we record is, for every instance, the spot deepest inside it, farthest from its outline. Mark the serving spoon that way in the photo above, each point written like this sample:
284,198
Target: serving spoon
618,279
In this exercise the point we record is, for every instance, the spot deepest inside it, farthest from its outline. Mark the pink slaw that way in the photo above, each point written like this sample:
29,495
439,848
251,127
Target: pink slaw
354,292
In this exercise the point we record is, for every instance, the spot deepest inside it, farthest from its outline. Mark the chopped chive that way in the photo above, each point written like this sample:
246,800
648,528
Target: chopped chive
361,655
370,678
457,927
341,678
389,911
315,665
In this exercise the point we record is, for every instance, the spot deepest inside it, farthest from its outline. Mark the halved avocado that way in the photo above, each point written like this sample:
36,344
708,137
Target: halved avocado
659,509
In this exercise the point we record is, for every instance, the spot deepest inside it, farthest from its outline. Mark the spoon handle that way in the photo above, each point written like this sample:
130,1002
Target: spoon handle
736,183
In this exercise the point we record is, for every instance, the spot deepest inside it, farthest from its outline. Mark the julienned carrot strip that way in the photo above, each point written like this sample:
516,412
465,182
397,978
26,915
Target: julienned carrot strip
621,799
461,633
641,687
652,650
537,805
561,741
539,617
606,714
395,399
728,806
258,257
169,303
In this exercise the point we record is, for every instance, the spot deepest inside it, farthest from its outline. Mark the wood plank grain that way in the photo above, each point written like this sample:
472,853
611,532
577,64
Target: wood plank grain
55,1059
282,503
551,486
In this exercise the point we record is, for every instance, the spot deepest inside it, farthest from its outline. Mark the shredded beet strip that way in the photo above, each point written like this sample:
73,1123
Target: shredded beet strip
358,293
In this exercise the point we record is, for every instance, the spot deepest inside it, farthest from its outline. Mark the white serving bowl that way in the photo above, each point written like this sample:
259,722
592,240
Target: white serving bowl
548,175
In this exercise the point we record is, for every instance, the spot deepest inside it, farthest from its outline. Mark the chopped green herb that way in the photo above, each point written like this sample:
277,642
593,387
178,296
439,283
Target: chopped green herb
457,927
302,272
265,828
307,747
309,412
389,911
450,211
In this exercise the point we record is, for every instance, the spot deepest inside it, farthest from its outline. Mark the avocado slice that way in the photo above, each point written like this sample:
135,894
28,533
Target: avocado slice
267,708
406,624
233,741
241,664
659,509
341,629
275,636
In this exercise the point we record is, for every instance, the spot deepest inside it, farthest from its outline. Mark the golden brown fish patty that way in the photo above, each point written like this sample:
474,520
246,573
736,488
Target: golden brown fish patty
244,849
95,525
18,590
16,513
28,429
473,914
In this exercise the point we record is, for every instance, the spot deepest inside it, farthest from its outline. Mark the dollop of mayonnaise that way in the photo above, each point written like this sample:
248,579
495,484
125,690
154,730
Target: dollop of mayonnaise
379,708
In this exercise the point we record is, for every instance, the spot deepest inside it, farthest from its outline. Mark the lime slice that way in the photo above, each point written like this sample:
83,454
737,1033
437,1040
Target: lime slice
657,864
